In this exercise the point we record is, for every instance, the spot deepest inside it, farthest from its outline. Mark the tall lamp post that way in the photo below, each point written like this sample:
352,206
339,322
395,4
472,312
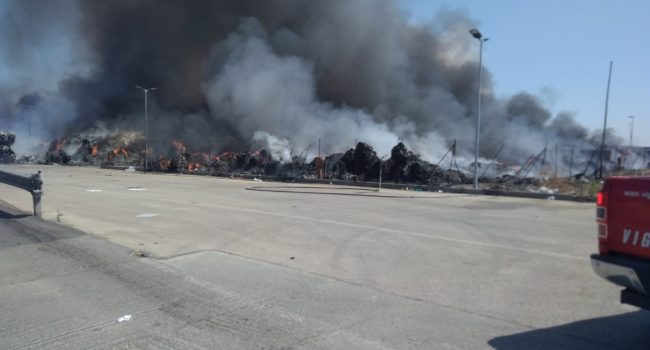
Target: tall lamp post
146,125
476,34
631,130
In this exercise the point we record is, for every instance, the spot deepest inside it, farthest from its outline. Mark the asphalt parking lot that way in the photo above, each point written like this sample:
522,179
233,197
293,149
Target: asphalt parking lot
332,267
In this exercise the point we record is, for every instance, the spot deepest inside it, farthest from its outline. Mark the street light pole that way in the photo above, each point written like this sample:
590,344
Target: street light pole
146,125
476,34
631,130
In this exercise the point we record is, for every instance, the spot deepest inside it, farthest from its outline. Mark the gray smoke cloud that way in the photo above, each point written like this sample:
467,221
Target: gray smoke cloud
279,73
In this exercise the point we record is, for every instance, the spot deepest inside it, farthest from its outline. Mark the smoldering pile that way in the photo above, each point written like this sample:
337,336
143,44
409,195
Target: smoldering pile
7,155
125,149
360,163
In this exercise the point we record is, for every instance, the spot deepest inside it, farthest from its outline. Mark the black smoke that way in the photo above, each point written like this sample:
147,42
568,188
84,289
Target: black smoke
283,73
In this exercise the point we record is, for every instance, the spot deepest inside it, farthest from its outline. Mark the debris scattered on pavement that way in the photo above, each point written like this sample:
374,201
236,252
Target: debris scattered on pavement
140,253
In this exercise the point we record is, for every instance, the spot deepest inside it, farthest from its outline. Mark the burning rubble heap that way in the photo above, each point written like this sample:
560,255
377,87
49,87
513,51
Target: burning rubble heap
403,166
360,163
6,154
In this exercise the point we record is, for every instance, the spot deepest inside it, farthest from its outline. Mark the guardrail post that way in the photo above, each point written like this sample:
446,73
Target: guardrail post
37,192
32,184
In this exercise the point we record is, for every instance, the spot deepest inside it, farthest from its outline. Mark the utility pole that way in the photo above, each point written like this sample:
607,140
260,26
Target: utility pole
631,130
602,142
146,125
571,161
556,156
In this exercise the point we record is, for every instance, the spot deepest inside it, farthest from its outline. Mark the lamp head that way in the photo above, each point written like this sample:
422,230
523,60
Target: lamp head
475,33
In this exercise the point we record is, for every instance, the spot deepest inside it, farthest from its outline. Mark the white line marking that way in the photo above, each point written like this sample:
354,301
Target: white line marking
93,190
147,215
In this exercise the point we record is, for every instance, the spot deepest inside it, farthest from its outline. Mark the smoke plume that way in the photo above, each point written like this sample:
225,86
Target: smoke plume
283,74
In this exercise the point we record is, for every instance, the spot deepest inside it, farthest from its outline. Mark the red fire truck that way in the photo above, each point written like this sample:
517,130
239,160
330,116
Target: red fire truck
623,218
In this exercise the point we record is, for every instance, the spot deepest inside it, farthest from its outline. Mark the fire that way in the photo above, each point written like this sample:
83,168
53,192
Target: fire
225,155
194,166
94,151
180,147
202,155
60,144
165,163
120,151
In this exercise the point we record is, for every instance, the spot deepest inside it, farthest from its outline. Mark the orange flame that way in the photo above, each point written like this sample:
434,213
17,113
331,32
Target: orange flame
94,151
120,151
165,163
60,144
194,166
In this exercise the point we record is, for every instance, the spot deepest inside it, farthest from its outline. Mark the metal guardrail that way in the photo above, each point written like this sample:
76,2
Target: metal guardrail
32,184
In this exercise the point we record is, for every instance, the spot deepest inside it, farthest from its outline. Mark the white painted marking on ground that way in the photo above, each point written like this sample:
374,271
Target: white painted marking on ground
92,190
416,234
124,318
146,215
136,189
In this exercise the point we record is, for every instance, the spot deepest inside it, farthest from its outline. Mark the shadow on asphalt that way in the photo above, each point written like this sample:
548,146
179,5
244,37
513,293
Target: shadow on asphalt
7,215
625,331
18,228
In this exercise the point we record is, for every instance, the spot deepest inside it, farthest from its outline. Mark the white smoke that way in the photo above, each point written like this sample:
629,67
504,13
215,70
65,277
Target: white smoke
279,148
265,94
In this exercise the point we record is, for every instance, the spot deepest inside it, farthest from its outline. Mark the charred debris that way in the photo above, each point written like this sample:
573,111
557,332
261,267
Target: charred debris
360,163
7,155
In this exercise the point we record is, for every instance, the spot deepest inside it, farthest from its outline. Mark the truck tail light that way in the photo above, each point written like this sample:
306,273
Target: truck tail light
601,219
601,199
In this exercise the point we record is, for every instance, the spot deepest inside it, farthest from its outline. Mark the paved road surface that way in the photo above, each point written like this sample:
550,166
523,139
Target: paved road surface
231,268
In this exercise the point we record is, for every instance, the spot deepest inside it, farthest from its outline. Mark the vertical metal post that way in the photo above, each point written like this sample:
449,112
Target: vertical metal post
556,160
36,198
602,142
631,131
146,131
380,172
37,193
478,114
571,162
146,124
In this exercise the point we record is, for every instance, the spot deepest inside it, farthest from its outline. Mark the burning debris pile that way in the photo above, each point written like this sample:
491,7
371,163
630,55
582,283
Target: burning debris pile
6,154
83,150
357,164
403,166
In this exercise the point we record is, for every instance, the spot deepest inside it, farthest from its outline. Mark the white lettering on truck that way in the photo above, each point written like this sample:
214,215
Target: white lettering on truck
645,239
626,235
645,243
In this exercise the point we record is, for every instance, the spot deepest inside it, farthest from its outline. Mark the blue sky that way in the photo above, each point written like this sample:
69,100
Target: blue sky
561,51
